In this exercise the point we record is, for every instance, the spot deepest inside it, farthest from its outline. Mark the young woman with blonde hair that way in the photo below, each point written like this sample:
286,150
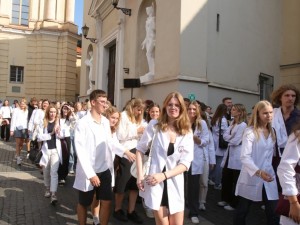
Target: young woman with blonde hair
18,128
128,133
231,163
172,153
257,177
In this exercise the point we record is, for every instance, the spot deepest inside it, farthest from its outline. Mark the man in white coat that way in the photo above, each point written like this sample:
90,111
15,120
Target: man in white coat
94,147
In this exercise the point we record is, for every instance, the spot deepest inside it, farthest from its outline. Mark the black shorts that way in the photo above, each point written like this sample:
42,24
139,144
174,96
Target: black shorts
103,192
124,180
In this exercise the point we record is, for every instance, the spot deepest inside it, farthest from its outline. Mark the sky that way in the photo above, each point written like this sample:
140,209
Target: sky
79,14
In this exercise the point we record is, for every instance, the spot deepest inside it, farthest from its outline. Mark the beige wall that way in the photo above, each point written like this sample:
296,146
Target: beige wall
290,54
46,49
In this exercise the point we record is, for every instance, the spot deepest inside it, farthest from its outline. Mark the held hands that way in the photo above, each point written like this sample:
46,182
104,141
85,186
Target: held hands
130,156
155,179
95,181
295,212
264,175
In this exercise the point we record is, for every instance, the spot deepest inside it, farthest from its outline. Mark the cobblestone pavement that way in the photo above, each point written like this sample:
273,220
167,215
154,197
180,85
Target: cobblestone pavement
22,201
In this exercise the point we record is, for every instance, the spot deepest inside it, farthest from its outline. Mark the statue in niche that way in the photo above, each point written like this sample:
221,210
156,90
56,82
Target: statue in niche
149,42
89,63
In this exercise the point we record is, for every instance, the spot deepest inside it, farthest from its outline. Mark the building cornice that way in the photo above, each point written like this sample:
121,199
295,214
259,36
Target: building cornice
100,9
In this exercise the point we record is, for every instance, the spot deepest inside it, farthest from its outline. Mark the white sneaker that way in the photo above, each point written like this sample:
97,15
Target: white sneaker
47,194
53,199
222,203
229,208
19,160
263,207
210,182
194,219
202,207
218,187
27,156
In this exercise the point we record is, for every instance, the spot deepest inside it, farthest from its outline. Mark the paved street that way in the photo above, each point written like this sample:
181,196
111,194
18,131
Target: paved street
22,201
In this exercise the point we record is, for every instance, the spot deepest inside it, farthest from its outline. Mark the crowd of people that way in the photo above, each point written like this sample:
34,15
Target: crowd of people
249,157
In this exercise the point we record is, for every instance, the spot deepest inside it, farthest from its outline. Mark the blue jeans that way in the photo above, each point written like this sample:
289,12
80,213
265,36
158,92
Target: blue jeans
216,173
73,156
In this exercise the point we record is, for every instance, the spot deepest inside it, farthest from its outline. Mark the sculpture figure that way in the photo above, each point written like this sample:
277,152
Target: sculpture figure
149,42
89,63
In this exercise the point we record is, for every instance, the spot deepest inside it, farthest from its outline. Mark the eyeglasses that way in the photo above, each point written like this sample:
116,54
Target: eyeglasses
177,106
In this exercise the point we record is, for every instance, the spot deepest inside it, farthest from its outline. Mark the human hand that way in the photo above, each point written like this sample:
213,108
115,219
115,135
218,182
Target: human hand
155,179
140,129
11,133
140,184
211,166
197,140
130,156
95,181
294,213
266,176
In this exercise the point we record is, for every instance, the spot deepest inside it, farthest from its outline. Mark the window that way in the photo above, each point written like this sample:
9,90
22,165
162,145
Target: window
16,74
266,83
20,12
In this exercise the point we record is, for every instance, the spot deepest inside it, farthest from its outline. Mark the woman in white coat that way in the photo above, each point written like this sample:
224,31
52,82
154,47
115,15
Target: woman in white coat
172,154
231,163
200,162
257,178
290,178
51,149
218,121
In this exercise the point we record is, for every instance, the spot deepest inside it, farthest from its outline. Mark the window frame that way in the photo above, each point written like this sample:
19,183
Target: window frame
16,78
19,9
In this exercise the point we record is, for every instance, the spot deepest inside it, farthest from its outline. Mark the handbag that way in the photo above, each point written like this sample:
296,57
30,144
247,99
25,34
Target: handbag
283,205
35,153
146,161
223,145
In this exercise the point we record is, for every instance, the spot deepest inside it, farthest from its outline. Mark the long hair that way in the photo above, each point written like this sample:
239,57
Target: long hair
219,113
148,117
25,102
277,94
198,115
134,103
241,109
108,112
62,112
182,122
255,121
47,114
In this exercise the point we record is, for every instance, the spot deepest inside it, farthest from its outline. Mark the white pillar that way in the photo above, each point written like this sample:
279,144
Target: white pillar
34,10
60,8
4,8
50,9
70,11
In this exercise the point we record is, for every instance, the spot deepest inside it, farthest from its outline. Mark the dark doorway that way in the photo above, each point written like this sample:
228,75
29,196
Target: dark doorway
111,74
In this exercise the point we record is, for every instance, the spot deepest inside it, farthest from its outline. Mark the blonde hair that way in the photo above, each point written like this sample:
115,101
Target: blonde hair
25,102
255,121
47,114
108,112
198,115
182,122
134,103
241,109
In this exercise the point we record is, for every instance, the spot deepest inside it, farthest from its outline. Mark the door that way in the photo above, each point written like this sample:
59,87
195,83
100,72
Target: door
111,74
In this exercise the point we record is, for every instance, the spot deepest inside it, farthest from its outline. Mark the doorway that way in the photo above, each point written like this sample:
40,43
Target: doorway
111,75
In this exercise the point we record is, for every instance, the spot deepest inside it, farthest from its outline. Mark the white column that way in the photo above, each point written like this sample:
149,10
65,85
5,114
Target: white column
34,10
60,8
4,8
70,11
50,9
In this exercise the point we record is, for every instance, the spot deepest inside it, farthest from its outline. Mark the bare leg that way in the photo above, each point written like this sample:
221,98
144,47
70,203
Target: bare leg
105,211
161,216
176,218
95,207
81,214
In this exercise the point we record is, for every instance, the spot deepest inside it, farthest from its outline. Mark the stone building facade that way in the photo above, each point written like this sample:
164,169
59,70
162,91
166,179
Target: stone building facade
38,40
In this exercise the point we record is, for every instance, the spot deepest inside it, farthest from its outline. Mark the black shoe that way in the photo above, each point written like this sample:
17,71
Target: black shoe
120,215
134,217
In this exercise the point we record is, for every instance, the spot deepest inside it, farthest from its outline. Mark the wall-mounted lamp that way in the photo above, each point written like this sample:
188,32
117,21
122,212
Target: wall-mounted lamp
124,10
85,31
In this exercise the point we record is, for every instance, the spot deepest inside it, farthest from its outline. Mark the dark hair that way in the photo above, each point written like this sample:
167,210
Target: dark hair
62,113
96,94
148,117
219,113
226,98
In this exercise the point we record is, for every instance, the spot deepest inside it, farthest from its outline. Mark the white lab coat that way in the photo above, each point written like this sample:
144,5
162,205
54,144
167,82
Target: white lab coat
86,143
215,133
183,154
256,154
19,120
234,137
210,149
200,151
36,119
286,173
279,126
44,136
